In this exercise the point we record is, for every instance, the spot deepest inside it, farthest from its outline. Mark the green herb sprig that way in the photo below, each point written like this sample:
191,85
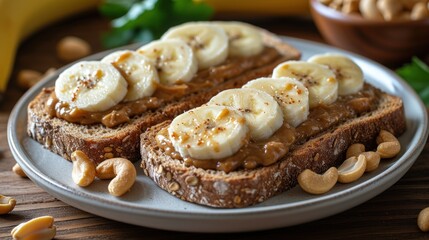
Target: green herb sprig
144,21
416,74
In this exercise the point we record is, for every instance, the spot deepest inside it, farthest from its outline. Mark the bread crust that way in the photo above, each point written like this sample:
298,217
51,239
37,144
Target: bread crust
100,142
247,187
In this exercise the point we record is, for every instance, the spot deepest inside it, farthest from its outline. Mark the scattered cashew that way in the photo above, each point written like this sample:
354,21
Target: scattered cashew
314,183
37,228
121,170
372,160
419,11
389,8
423,220
18,170
369,10
352,169
409,4
7,204
28,78
83,172
354,150
388,145
72,48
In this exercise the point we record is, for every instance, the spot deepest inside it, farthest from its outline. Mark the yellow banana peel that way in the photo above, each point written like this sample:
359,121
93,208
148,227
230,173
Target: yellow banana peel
261,7
20,18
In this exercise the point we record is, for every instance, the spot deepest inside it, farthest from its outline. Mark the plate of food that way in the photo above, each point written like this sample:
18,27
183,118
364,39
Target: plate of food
220,130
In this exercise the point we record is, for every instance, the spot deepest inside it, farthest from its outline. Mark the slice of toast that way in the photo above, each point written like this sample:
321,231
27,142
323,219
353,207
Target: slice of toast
247,187
100,142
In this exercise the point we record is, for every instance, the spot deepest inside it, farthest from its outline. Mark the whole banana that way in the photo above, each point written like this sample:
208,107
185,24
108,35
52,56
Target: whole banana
20,18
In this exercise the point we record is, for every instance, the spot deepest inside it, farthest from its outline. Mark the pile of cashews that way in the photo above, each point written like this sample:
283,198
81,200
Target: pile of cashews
358,161
388,10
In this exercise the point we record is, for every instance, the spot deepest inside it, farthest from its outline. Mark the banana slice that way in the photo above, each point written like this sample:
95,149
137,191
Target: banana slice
262,113
290,94
208,132
244,39
348,73
318,79
209,42
140,74
174,59
91,86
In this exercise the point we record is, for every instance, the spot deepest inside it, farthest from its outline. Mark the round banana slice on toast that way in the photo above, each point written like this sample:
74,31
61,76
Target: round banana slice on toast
208,132
140,73
91,86
348,73
290,94
173,58
244,39
318,79
209,42
262,113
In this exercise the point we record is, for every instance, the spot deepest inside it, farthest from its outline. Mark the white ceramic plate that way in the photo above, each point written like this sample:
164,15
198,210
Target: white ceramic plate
147,205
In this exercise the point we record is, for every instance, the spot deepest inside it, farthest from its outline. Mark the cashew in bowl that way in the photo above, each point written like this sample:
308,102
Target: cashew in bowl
372,160
37,228
121,170
390,9
354,150
352,169
388,145
7,204
420,11
83,172
369,10
314,183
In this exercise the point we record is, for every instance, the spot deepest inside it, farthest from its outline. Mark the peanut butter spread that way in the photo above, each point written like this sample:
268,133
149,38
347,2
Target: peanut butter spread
124,111
270,150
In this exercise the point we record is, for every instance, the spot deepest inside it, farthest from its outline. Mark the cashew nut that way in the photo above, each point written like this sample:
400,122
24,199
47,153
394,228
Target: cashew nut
389,8
27,78
409,4
314,183
388,145
419,11
336,4
354,150
369,10
350,6
83,172
72,48
18,170
37,228
423,220
352,169
121,170
372,160
7,204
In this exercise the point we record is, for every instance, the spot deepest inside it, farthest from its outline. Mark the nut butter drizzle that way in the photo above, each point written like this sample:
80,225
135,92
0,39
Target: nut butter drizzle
269,151
124,111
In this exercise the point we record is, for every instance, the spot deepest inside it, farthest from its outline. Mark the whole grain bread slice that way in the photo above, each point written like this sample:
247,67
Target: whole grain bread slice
100,142
247,187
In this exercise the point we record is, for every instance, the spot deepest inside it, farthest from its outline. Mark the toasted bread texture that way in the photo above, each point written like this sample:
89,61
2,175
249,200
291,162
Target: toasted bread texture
247,187
100,142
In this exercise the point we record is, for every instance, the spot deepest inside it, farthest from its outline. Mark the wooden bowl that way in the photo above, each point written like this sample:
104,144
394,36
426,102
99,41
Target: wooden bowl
388,42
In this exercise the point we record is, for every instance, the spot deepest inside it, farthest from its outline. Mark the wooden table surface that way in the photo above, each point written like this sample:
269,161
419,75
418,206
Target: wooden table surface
390,215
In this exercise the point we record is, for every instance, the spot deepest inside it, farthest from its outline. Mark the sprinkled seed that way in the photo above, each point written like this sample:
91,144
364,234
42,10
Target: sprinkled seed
107,149
237,199
108,155
173,186
160,169
191,180
168,176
